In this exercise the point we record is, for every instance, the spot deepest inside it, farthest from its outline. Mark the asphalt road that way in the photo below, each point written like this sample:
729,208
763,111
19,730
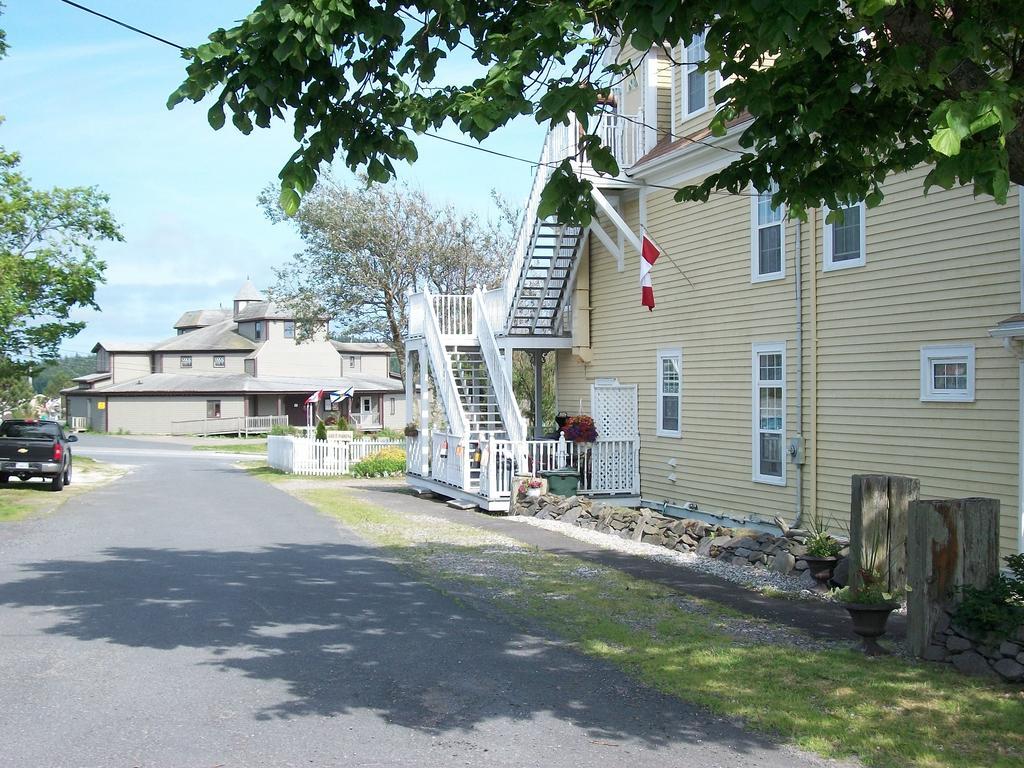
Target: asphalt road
190,616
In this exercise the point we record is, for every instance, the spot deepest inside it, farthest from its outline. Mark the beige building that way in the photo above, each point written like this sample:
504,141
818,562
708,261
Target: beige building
235,368
783,356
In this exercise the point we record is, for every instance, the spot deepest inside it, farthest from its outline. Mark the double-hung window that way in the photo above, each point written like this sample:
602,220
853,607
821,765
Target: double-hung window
670,392
695,88
947,374
767,237
769,407
257,330
185,361
213,409
844,239
289,329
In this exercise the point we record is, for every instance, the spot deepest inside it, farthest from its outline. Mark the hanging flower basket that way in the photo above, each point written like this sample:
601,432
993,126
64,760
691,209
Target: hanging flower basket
580,429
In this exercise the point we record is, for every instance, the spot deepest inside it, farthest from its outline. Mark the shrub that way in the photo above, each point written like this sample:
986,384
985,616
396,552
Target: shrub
390,434
321,431
282,430
385,463
343,425
996,610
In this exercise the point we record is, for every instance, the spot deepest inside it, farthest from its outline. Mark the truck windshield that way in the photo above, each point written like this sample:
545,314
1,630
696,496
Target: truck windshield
48,429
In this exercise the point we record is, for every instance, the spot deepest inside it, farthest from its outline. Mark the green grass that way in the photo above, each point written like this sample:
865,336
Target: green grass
837,703
256,448
18,501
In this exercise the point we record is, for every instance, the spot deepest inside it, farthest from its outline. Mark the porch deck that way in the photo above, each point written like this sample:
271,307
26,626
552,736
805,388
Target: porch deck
483,471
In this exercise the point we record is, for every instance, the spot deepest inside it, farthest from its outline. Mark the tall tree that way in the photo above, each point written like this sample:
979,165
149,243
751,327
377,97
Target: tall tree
367,246
48,262
855,90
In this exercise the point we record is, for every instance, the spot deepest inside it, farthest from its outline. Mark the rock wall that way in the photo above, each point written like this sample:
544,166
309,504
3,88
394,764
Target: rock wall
738,547
972,655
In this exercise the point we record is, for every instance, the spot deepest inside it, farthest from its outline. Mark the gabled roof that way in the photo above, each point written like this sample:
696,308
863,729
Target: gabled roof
200,318
264,310
362,347
248,292
92,377
220,337
124,346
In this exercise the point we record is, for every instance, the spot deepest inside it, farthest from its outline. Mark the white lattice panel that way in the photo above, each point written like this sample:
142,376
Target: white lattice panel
615,411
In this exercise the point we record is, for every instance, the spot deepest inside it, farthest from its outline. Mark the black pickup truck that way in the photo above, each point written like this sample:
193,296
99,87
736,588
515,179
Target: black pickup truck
30,448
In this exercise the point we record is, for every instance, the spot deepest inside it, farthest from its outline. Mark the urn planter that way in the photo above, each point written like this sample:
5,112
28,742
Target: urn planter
820,567
869,620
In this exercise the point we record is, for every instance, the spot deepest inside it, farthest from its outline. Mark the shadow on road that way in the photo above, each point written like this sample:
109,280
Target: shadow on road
344,629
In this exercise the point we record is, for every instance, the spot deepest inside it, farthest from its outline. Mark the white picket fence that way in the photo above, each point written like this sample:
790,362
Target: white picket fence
301,456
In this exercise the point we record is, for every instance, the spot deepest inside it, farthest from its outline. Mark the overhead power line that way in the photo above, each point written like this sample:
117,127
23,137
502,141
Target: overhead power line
466,145
119,23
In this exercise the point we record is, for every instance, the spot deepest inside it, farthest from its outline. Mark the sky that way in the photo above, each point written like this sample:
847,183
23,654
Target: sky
84,102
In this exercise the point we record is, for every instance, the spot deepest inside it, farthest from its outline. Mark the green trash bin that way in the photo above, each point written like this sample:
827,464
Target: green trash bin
562,482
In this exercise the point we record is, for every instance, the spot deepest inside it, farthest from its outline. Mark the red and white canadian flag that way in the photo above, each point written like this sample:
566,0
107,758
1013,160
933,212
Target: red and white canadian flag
649,254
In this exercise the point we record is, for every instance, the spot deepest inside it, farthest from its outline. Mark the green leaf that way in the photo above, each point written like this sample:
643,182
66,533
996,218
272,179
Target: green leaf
289,201
945,141
216,116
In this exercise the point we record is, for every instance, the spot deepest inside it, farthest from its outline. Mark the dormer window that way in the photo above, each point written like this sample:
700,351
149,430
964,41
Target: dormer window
257,330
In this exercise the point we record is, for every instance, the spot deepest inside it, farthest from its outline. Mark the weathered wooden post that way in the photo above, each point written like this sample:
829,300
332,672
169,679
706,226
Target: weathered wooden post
878,526
951,543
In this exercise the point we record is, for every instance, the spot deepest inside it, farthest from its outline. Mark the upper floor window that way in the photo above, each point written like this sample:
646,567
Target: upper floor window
185,361
767,237
257,330
845,239
695,81
218,361
670,392
289,329
947,374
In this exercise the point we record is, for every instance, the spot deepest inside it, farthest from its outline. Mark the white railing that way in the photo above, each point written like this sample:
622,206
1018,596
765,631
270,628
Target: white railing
606,467
508,405
444,379
368,420
299,456
449,459
240,425
79,423
454,313
417,455
624,135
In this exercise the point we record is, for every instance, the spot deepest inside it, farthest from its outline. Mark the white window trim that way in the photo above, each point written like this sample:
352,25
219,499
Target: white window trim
677,354
755,277
946,353
684,103
827,264
767,347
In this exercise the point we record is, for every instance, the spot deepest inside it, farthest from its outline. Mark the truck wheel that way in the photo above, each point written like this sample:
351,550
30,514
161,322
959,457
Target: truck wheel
4,479
67,475
57,484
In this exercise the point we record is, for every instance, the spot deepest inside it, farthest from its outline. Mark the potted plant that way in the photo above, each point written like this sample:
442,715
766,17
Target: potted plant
532,487
580,429
822,555
412,429
869,605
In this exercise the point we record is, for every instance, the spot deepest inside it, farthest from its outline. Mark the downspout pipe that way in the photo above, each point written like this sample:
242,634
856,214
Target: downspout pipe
799,301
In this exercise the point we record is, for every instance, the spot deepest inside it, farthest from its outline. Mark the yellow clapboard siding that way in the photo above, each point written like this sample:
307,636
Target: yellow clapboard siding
939,269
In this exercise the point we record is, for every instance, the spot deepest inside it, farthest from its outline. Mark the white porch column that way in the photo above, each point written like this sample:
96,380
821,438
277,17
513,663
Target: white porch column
410,392
424,417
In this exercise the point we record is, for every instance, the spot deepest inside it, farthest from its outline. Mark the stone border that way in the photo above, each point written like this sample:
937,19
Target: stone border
738,547
971,655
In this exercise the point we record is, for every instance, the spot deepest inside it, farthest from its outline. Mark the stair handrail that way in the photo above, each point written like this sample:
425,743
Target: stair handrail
497,372
441,364
549,154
